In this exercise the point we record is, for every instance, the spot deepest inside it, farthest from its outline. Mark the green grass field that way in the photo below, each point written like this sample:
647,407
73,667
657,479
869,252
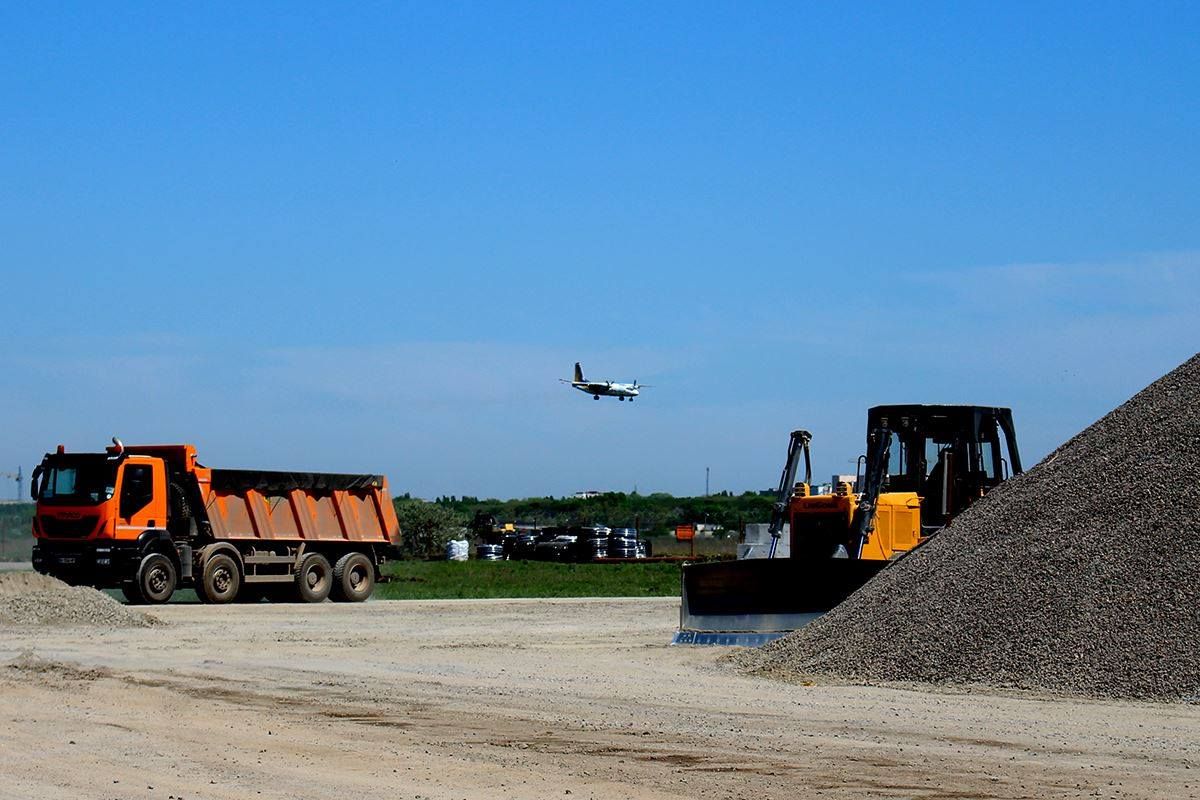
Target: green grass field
437,580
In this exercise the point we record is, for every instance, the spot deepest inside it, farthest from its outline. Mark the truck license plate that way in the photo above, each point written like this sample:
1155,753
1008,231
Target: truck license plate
66,559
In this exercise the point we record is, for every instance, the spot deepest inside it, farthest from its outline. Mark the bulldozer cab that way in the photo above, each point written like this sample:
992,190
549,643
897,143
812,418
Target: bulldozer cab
950,456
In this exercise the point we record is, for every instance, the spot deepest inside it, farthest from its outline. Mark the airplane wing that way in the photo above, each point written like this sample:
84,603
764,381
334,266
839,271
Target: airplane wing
589,385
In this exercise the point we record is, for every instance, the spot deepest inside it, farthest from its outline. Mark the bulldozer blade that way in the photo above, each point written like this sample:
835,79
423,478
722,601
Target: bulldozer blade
753,601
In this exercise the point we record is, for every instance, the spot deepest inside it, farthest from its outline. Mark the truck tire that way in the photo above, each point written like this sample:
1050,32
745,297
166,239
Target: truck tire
154,582
314,579
220,581
353,578
132,596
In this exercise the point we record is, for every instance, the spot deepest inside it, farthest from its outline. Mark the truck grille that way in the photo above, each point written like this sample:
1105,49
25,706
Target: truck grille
55,528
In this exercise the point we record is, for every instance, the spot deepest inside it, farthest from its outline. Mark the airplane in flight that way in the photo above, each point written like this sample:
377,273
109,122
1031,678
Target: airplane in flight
621,391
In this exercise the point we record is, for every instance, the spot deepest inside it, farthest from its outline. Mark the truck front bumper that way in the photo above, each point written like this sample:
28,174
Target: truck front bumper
104,563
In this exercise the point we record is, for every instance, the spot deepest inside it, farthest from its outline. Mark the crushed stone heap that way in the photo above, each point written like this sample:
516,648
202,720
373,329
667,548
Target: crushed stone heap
27,598
1081,576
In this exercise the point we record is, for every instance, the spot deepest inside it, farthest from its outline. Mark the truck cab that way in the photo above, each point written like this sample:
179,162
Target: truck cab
99,514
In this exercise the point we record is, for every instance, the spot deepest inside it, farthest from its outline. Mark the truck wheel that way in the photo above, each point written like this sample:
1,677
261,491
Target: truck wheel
314,579
220,581
353,578
155,580
132,596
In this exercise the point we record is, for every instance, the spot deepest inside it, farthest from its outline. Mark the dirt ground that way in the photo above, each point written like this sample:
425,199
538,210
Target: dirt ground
523,699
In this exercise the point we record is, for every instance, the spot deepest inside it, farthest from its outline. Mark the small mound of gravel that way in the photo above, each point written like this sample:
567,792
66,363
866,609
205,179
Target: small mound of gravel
1080,576
27,598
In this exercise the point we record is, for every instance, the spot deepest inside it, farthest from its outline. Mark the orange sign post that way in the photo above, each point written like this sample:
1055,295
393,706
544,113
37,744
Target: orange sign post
686,533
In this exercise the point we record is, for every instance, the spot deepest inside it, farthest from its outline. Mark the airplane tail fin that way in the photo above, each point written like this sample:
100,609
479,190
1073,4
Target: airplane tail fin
578,373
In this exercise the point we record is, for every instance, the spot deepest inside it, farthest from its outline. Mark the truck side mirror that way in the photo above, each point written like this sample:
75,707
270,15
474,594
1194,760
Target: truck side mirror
33,482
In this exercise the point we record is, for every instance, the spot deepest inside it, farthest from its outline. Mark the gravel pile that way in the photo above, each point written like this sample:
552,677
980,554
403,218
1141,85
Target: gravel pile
27,598
1080,576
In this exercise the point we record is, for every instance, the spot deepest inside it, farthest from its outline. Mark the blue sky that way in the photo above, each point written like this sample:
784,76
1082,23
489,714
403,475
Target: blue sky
370,238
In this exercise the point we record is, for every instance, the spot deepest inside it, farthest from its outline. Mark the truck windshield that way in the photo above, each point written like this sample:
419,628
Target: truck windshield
83,480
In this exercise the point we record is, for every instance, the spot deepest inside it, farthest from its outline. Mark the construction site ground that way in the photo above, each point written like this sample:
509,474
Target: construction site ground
524,699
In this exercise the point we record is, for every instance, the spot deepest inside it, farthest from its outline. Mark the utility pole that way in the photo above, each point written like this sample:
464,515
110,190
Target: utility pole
20,479
706,481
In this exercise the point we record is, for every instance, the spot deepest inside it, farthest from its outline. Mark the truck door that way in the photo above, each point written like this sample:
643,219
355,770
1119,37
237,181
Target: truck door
142,493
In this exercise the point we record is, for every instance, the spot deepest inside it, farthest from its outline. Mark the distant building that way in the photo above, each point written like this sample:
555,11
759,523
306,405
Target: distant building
587,494
850,479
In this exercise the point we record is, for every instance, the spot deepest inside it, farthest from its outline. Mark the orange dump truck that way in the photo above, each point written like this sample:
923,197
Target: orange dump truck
151,519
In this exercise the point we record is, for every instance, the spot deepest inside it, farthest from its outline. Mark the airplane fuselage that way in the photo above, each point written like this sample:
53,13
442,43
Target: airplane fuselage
606,389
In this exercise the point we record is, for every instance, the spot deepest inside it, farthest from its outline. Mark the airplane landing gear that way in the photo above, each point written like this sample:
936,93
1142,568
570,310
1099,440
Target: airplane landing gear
622,399
595,397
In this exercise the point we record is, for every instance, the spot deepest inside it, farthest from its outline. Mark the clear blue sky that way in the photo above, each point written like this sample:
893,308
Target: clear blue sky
369,237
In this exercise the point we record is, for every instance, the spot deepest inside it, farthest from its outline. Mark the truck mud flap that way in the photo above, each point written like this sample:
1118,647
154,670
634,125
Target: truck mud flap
753,601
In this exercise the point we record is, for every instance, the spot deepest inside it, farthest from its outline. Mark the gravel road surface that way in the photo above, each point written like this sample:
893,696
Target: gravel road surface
524,699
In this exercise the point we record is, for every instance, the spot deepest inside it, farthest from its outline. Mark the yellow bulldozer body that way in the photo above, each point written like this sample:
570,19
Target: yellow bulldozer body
896,529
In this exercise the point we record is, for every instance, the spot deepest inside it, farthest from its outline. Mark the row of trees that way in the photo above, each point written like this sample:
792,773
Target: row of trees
428,526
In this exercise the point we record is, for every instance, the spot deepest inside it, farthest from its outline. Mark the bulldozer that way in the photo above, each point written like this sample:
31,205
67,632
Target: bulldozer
923,465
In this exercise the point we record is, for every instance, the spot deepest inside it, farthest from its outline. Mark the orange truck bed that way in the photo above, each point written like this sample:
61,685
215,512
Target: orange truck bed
242,504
